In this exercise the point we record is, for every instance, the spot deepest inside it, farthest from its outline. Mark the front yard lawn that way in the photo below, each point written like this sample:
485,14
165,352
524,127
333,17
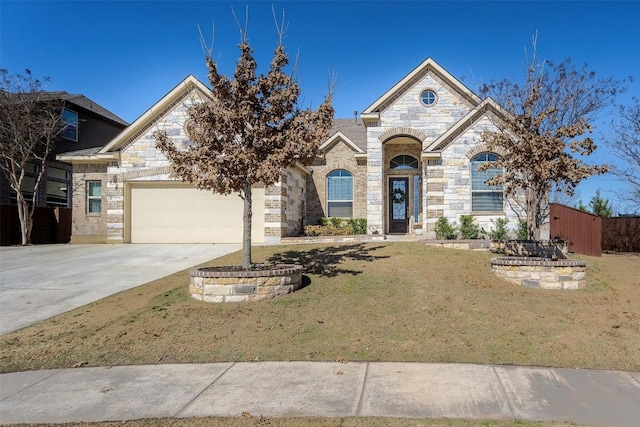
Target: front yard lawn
399,301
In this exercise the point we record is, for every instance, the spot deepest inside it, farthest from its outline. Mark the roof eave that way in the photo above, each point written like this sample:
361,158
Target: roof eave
93,158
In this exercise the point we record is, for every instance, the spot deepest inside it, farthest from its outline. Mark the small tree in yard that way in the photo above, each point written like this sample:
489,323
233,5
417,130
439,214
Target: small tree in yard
30,121
600,206
248,131
548,118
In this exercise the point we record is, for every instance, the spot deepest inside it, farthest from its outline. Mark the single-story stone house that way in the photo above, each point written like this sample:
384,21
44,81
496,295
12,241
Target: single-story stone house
410,158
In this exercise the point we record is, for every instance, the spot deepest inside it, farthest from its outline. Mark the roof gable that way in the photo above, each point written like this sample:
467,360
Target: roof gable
488,106
429,65
351,133
149,117
340,137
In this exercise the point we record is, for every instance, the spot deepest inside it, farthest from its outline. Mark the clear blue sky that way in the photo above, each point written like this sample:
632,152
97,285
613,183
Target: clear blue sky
126,55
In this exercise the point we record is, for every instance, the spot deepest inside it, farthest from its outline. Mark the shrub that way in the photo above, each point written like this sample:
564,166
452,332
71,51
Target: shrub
359,225
468,228
444,230
336,222
337,227
500,231
327,230
522,233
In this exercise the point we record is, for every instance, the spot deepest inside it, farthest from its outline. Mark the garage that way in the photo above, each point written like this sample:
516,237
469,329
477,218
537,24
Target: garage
177,213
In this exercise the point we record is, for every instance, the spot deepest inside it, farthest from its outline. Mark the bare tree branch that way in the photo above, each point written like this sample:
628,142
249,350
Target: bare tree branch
30,121
546,133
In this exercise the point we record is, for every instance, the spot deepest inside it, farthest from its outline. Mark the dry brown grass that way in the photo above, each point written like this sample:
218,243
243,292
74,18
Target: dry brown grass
313,422
376,302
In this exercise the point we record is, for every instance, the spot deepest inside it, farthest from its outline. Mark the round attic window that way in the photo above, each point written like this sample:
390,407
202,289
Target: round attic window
428,97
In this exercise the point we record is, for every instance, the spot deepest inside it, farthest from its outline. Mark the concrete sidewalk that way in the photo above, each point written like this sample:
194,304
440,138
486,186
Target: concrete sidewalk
277,389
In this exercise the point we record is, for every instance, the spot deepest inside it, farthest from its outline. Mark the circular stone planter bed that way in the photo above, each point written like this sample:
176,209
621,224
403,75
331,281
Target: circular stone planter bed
233,284
540,272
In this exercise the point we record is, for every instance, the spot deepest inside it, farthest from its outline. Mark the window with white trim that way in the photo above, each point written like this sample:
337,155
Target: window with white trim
340,194
485,198
94,197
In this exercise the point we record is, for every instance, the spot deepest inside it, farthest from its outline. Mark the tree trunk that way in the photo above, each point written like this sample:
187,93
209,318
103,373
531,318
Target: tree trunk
26,221
246,229
531,214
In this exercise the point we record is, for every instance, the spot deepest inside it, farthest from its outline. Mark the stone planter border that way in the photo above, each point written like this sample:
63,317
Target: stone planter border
540,272
218,285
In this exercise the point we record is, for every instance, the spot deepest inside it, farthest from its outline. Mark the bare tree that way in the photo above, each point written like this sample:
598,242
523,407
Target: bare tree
626,146
248,131
30,121
545,133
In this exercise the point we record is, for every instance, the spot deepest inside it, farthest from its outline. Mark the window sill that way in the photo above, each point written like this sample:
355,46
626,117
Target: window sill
488,213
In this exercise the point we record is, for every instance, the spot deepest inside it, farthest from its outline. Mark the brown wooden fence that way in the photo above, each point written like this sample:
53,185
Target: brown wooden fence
582,230
621,234
50,225
590,235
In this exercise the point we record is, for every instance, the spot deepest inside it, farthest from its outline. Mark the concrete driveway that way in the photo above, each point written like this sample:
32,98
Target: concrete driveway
38,282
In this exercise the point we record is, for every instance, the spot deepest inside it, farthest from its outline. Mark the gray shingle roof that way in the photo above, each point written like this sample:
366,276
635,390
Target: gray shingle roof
86,103
353,129
86,152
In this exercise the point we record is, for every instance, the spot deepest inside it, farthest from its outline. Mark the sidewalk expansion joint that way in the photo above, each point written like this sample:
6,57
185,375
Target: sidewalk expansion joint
189,403
362,390
512,410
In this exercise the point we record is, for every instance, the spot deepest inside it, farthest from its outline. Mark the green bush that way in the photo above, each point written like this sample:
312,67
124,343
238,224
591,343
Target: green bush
336,222
359,225
444,230
499,231
522,233
337,227
468,228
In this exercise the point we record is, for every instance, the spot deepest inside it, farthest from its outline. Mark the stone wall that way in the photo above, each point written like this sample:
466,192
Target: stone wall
538,273
293,186
218,285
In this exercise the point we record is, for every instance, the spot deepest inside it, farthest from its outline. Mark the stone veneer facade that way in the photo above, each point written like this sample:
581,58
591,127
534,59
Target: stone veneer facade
407,126
442,136
141,162
88,227
340,156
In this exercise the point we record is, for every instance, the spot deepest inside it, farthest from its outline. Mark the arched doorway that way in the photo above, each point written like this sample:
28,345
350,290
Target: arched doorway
403,172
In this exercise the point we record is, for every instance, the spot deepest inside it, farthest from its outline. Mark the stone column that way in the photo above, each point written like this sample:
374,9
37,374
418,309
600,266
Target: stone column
375,176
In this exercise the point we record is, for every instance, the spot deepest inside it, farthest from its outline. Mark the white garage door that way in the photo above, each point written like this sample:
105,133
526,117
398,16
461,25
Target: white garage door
183,214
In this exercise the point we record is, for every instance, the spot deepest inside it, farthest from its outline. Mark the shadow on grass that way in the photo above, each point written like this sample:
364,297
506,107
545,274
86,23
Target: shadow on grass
326,261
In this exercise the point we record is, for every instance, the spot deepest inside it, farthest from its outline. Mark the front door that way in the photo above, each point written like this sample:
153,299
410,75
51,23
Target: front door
398,205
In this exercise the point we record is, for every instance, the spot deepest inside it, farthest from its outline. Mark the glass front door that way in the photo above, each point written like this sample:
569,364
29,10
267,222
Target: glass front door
399,205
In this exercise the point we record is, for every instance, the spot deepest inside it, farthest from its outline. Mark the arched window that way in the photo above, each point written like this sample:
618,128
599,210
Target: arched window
485,198
340,194
403,161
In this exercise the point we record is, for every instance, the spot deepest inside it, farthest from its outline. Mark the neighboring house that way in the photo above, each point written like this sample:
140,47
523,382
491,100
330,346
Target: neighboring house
412,158
88,125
